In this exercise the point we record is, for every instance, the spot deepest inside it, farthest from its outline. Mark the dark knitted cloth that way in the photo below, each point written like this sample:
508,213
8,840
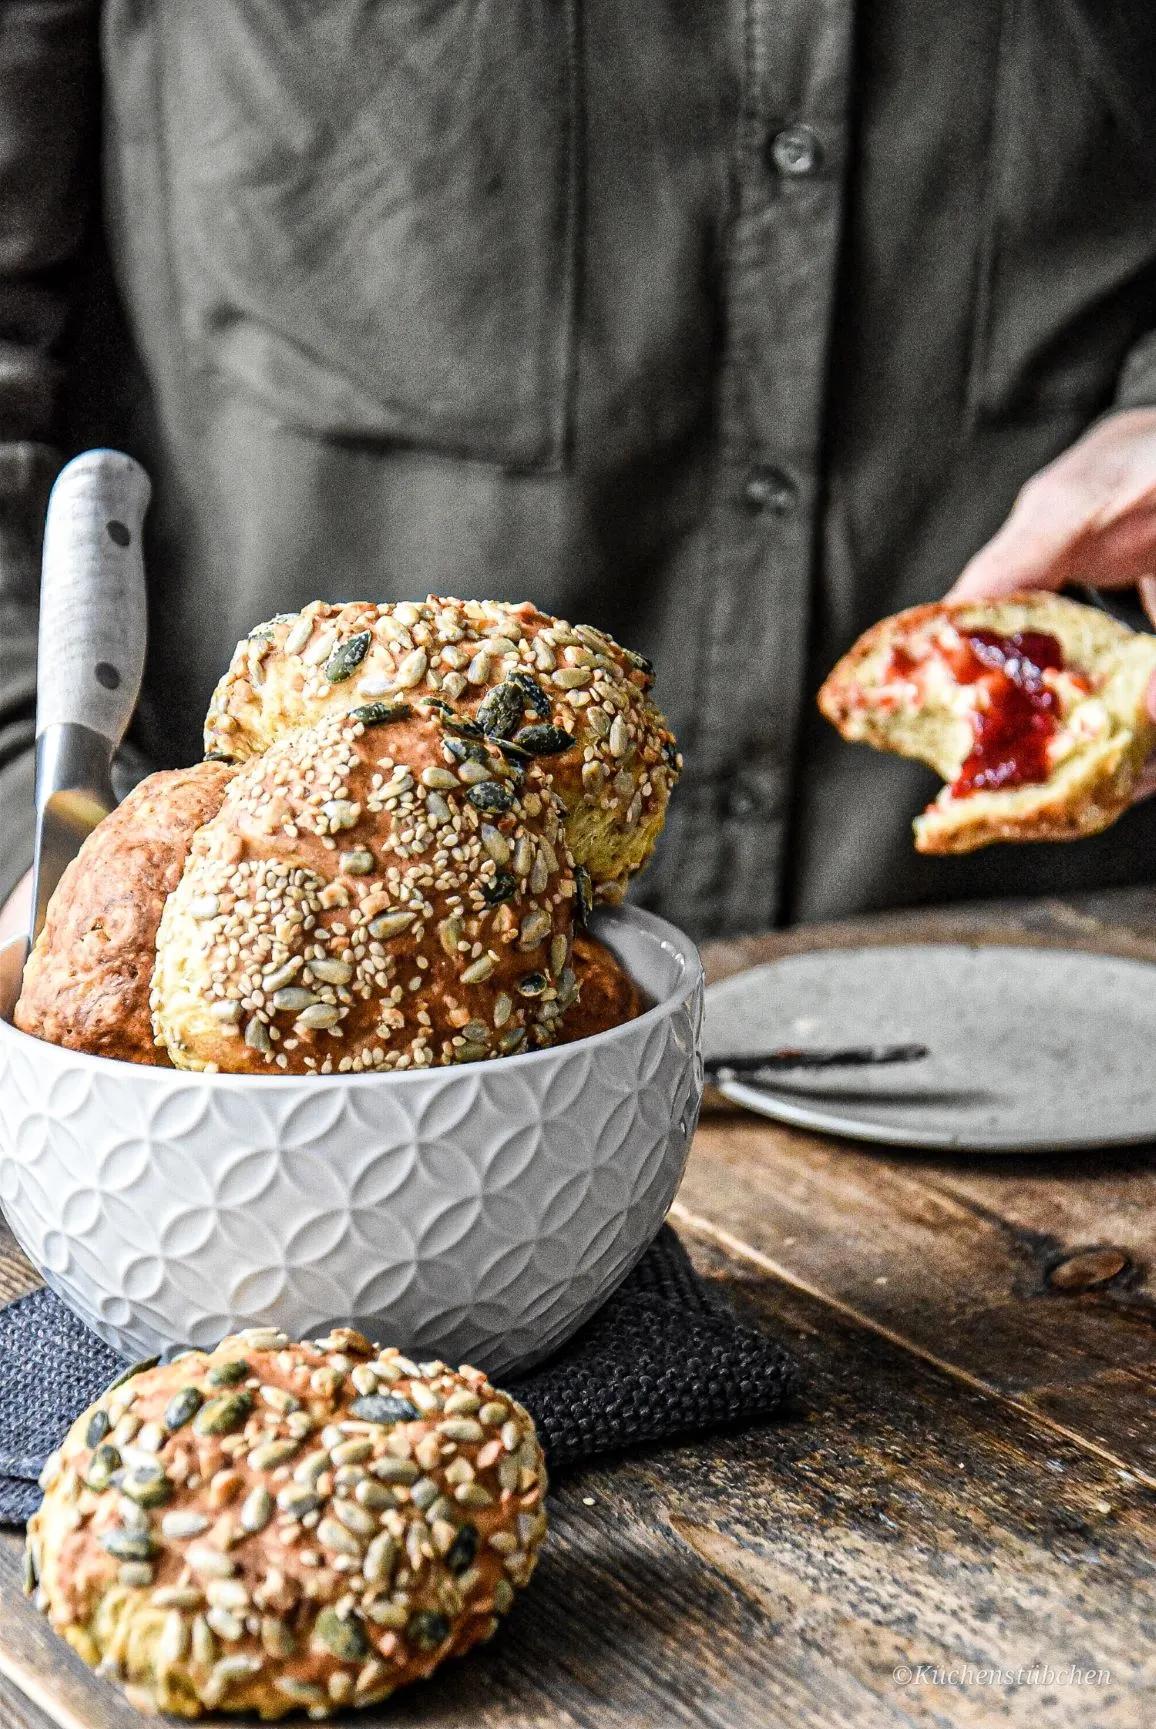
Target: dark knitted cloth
662,1359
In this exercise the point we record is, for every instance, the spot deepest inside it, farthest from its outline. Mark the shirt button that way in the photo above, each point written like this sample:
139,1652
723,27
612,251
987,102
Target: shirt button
768,488
796,150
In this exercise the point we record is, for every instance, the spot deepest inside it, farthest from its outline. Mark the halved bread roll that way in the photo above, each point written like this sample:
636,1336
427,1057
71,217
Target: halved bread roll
1032,709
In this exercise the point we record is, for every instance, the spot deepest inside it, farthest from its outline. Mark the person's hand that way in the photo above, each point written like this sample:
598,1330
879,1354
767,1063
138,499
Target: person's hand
1089,517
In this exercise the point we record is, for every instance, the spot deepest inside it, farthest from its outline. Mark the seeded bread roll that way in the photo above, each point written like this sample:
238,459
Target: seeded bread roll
270,1527
1032,709
375,892
607,995
86,983
566,694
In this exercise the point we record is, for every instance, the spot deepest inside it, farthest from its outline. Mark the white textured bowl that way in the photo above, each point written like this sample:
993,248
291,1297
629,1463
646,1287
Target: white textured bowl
478,1213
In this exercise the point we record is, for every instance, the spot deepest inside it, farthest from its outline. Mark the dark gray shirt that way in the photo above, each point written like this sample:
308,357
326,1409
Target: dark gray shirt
726,327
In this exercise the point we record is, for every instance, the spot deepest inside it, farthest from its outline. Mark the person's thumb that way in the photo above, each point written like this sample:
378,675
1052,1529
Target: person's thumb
1031,550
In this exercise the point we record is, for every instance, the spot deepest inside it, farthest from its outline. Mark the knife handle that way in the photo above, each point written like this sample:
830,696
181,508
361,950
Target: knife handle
92,596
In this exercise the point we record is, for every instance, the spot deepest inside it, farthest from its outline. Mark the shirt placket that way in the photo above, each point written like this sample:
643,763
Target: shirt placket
781,260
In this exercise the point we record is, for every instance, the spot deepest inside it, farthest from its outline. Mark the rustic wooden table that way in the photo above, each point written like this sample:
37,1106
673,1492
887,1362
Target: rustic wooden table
967,1480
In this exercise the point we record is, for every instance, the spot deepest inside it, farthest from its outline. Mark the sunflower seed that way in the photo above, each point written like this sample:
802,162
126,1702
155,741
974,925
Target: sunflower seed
495,844
319,1017
340,813
478,971
256,1509
292,998
439,779
427,1630
257,1037
330,971
534,927
272,1454
377,1408
98,1427
182,1522
298,636
412,669
357,863
391,924
619,737
438,809
210,1563
336,1538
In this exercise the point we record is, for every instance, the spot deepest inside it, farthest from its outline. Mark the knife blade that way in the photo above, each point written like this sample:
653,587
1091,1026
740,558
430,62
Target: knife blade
791,1059
90,653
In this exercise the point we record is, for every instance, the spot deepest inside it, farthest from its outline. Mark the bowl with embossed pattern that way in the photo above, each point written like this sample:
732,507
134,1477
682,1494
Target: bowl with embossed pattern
479,1212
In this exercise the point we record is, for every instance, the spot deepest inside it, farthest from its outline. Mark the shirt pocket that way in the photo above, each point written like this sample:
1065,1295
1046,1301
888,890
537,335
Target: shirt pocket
1067,273
373,214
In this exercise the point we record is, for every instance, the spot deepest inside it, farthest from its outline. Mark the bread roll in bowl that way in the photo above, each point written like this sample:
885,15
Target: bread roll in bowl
362,899
525,677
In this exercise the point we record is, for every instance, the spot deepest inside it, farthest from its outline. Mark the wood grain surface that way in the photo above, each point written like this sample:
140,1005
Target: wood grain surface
968,1478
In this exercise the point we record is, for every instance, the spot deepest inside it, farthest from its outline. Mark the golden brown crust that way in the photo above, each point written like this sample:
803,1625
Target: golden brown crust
615,780
1108,733
365,899
86,984
272,1526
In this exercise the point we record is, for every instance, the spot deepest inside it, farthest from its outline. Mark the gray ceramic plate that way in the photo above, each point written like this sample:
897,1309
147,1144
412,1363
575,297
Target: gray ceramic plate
1032,1050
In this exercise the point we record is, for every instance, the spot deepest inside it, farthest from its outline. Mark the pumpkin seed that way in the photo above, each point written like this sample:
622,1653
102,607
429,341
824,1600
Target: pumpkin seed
347,657
391,924
147,1486
98,1427
104,1462
512,1041
503,888
343,1638
128,1545
471,1052
276,1637
133,1370
228,1374
463,1550
357,863
500,711
427,1630
224,1415
585,892
535,697
544,740
380,713
490,795
382,1408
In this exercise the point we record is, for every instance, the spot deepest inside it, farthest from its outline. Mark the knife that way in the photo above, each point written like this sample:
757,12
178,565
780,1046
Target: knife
790,1059
90,653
